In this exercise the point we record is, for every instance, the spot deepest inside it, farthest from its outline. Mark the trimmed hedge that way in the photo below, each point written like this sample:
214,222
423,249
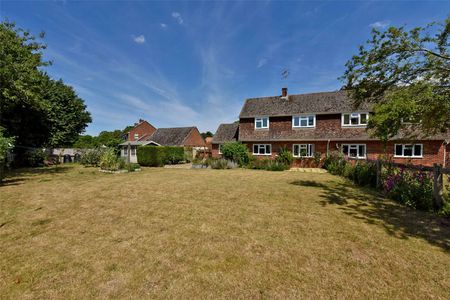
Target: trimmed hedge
158,156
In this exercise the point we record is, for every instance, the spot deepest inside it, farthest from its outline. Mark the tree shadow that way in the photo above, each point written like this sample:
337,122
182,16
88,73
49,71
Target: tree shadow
19,176
369,206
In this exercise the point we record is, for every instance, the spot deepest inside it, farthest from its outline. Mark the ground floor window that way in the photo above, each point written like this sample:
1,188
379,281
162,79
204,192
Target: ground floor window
133,151
125,151
408,150
354,150
262,149
220,148
303,150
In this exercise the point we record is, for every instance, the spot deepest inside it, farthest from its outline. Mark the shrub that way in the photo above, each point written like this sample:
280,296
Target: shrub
237,152
335,163
151,156
261,164
91,157
131,167
412,188
276,166
158,156
317,158
173,155
285,157
35,158
110,161
219,163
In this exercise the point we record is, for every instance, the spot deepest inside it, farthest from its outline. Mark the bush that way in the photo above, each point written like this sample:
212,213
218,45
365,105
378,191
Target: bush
91,157
218,163
276,166
261,164
151,156
335,163
173,155
131,167
285,157
35,158
158,156
110,161
237,152
412,188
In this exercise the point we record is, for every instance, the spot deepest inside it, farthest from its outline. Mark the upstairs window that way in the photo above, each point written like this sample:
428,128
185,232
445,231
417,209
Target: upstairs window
303,150
408,150
262,149
136,136
261,123
304,121
355,119
354,150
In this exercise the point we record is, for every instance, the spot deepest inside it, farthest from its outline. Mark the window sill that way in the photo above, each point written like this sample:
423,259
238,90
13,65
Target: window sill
418,157
353,126
306,127
269,154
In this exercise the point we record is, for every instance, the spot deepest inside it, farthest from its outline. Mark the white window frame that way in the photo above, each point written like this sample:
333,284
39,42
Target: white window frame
261,120
133,151
304,117
354,115
136,136
125,151
220,150
358,156
259,148
309,150
403,151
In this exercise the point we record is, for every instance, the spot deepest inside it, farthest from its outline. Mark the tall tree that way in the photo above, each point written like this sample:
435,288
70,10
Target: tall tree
34,108
406,75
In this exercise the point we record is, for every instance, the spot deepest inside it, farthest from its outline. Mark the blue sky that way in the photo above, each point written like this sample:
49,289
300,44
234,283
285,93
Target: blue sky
194,63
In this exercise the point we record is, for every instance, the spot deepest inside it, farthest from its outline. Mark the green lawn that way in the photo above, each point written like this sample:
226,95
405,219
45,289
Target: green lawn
74,232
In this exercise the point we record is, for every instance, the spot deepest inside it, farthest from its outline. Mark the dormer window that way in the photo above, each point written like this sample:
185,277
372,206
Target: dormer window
355,119
262,123
307,121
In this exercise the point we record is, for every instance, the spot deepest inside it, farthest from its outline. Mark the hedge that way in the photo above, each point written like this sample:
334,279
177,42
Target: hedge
158,156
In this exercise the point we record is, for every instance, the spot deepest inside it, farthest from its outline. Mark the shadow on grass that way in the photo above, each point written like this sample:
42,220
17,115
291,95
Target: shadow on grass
19,176
399,221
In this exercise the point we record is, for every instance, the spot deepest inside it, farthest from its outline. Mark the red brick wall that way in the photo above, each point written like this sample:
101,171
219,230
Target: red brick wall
281,128
215,151
143,128
194,139
433,151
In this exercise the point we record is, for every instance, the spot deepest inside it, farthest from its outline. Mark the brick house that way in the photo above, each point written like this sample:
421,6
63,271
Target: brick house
187,137
320,123
140,130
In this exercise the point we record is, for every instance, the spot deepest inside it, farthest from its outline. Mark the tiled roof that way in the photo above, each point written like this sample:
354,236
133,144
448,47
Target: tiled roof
319,103
226,133
170,136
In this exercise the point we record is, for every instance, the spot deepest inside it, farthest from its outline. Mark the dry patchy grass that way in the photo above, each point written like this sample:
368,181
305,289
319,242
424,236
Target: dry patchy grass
73,232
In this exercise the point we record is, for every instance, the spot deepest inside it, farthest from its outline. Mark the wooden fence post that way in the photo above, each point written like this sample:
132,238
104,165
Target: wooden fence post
438,186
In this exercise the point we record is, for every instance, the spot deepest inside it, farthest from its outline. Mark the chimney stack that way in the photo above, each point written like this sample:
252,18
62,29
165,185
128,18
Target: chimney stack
284,92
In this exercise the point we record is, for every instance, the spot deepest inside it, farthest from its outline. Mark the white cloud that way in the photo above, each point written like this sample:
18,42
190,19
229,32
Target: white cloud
177,16
163,25
261,62
380,24
139,39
